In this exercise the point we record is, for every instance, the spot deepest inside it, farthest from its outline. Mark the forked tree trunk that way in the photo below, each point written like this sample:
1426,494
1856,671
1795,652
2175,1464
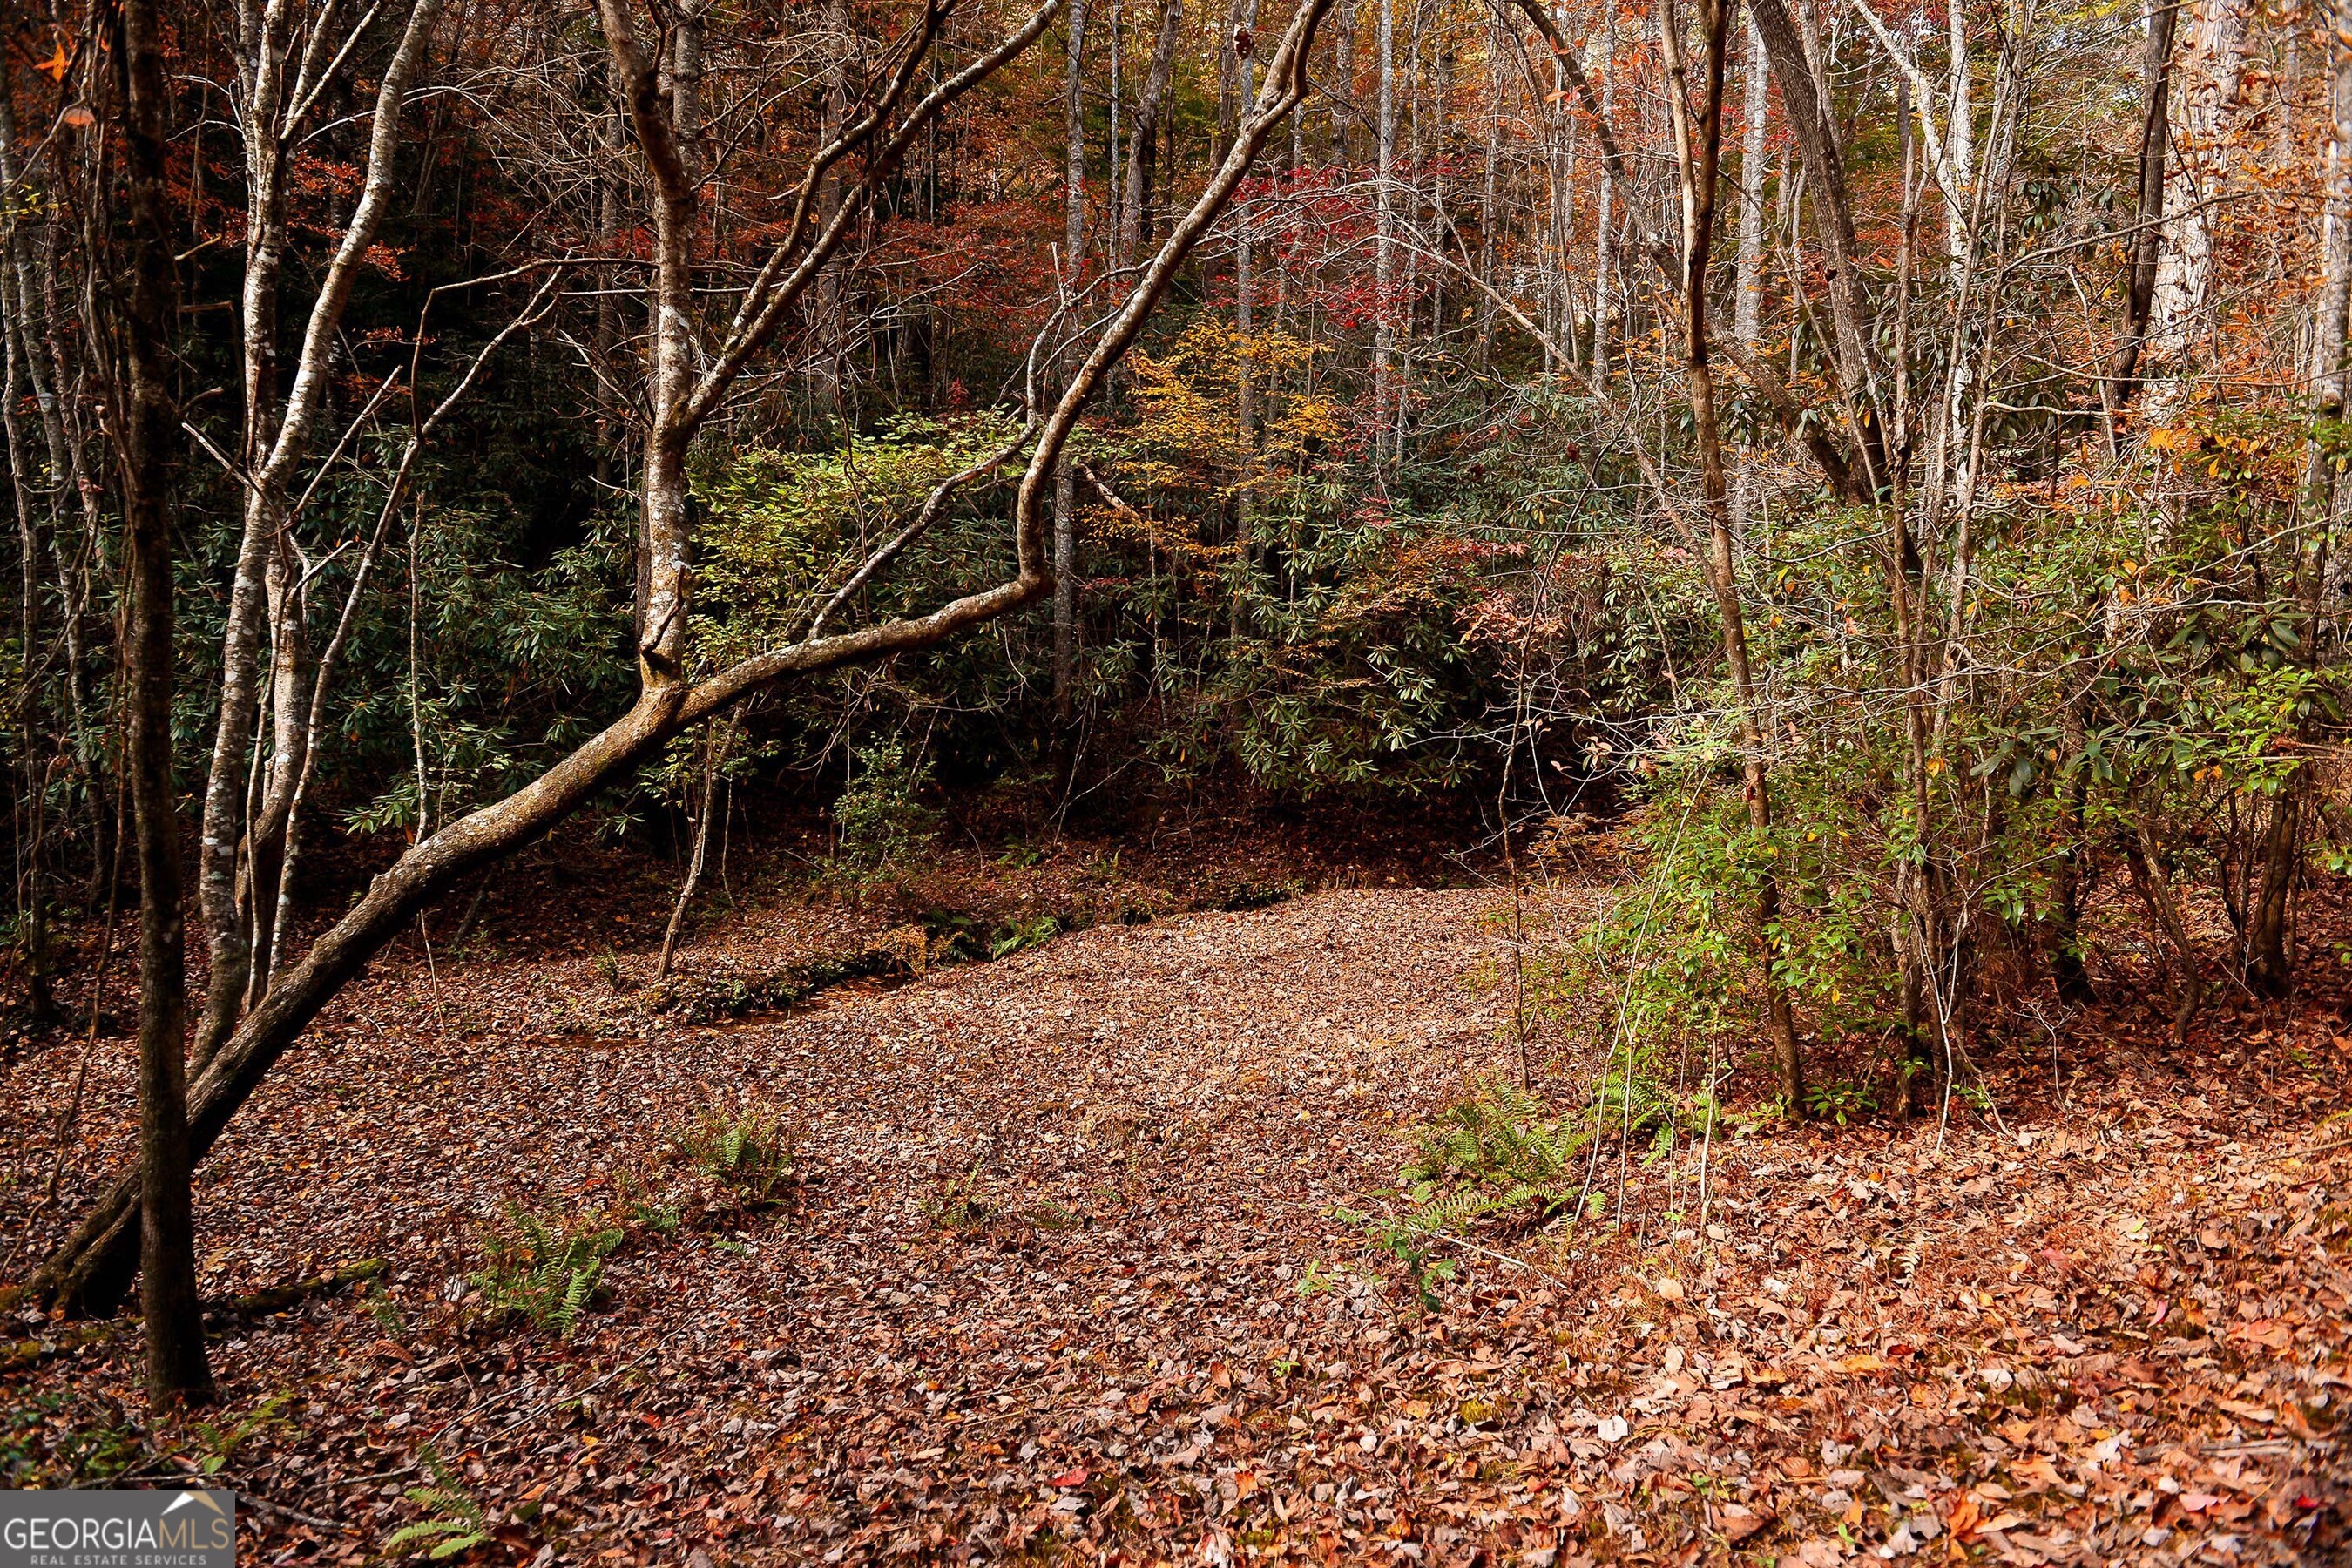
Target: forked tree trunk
1814,130
94,1267
1150,109
2147,232
275,441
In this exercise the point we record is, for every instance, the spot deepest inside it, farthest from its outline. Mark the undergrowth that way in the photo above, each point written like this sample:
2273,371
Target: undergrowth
1501,1156
546,1270
457,1521
747,1148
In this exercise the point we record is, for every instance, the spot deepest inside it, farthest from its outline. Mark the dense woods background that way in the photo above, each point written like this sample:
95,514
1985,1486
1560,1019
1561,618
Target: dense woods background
1879,463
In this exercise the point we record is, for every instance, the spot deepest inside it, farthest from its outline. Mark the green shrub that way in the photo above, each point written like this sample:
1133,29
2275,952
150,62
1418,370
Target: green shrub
961,1207
882,827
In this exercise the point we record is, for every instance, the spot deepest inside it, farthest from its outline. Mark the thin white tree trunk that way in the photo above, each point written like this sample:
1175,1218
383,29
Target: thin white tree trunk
1384,243
1748,281
1073,243
2203,106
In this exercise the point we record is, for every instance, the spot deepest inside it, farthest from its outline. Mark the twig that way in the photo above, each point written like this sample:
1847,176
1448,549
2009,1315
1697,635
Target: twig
296,1514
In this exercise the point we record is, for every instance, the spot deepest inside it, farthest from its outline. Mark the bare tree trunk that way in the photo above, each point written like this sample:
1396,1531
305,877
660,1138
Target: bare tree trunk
1150,110
276,438
1384,241
832,335
1343,83
33,825
177,1369
1747,284
2147,232
1698,149
1604,219
2154,884
1487,210
1073,243
1245,382
2270,956
2203,114
713,762
1815,132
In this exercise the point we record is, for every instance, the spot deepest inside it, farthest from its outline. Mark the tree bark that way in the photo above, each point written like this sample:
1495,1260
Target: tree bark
1384,235
2270,937
281,89
1149,110
1815,131
2201,112
1074,241
2148,231
177,1369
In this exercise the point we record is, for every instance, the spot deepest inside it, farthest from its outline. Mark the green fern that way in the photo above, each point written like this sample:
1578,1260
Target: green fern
748,1147
546,1272
457,1522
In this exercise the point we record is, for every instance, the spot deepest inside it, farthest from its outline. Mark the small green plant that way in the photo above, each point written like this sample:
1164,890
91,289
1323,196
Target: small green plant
881,825
547,1271
1315,1280
385,1311
20,1434
101,1453
608,964
1019,933
1019,856
961,1207
638,1200
1839,1101
1405,1238
747,1147
457,1522
1495,1150
221,1441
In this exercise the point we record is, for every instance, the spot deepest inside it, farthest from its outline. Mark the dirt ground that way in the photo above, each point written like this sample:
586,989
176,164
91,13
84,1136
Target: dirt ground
1079,1257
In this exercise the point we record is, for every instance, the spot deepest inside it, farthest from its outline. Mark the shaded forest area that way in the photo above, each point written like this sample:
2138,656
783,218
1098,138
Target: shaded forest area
1480,779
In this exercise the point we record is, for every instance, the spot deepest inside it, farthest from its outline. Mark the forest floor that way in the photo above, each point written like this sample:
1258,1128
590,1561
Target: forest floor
1078,1258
